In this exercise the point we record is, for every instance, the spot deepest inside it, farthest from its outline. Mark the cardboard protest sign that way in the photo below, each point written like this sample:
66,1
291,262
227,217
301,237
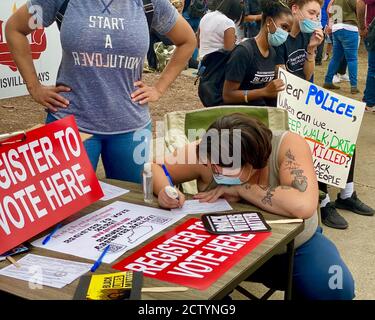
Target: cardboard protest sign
329,122
190,256
45,50
44,178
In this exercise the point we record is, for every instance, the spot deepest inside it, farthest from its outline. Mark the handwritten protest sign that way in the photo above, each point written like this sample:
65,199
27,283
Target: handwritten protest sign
44,178
329,123
190,256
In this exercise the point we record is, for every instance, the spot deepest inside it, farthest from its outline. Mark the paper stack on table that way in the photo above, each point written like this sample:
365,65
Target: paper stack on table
121,225
51,272
111,191
194,207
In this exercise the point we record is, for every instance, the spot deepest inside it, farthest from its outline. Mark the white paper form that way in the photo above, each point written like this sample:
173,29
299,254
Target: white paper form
111,191
194,207
51,272
123,225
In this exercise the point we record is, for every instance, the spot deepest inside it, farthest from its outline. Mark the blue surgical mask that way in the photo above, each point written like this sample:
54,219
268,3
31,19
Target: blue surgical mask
308,25
278,37
225,180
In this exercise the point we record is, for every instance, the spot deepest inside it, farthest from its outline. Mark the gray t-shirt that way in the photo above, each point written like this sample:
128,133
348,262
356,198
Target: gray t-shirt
104,44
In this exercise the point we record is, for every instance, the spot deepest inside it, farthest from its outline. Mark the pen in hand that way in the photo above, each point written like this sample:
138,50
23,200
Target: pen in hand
170,190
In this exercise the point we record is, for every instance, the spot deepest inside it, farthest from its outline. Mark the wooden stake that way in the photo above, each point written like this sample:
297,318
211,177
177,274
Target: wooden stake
12,261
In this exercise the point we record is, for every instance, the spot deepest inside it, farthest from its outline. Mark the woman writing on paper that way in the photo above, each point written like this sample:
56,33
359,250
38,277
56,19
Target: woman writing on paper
272,170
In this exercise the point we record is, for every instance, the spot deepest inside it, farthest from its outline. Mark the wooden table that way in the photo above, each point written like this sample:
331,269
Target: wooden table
282,235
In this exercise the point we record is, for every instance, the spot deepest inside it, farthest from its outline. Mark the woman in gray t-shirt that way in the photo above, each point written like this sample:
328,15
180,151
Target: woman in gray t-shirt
100,76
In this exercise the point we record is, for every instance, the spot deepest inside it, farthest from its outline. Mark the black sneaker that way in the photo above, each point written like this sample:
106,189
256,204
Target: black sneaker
354,204
331,218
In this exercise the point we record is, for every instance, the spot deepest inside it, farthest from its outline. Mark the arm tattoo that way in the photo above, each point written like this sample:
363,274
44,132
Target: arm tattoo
300,181
290,156
247,186
269,194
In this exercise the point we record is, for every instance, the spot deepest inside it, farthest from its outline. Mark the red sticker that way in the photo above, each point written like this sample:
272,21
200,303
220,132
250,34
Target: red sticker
190,256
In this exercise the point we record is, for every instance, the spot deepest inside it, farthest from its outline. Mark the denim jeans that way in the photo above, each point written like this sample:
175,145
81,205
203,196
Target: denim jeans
345,43
194,24
317,267
369,96
122,154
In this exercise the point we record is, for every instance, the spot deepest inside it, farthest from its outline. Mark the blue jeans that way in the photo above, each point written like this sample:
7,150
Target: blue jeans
194,24
345,43
122,155
319,272
369,96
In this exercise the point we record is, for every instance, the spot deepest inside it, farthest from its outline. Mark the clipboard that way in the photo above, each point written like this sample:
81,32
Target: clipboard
20,136
13,137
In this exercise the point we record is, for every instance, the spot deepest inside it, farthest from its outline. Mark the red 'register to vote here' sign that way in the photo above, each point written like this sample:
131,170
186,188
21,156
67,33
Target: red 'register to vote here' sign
190,256
44,179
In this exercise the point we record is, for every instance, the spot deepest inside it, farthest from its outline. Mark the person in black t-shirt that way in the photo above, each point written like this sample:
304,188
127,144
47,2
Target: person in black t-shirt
298,52
250,70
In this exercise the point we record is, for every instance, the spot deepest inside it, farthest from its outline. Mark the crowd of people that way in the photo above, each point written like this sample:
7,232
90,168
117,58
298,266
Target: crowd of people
111,103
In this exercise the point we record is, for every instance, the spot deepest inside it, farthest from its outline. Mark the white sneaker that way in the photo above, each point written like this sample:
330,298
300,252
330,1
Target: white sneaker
336,79
344,77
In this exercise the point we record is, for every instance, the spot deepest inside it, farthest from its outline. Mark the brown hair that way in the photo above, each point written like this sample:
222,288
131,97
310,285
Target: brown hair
301,3
255,140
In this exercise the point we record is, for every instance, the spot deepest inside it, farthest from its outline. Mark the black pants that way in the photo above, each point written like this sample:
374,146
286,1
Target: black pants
343,66
151,55
324,188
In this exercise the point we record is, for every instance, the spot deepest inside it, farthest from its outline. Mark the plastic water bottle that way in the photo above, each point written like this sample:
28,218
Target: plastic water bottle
148,187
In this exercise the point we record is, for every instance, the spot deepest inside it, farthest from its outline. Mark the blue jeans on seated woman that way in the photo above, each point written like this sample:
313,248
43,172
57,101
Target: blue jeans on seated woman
345,43
319,272
122,154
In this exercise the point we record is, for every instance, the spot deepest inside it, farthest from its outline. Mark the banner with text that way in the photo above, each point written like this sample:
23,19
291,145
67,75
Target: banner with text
329,122
45,49
190,256
45,176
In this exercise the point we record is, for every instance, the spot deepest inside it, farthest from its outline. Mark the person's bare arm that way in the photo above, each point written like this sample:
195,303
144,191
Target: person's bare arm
297,195
182,166
315,40
229,38
361,15
183,37
16,30
252,17
232,93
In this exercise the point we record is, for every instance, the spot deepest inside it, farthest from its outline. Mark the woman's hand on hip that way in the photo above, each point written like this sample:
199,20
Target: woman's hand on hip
145,93
49,96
